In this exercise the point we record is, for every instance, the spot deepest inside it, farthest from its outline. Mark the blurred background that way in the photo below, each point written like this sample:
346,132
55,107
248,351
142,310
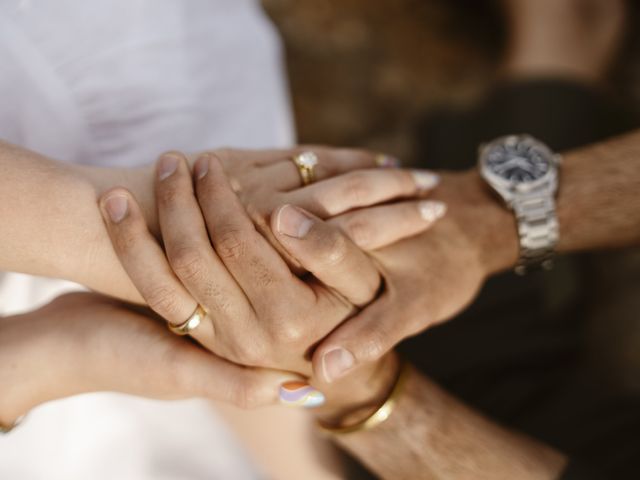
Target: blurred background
366,72
363,72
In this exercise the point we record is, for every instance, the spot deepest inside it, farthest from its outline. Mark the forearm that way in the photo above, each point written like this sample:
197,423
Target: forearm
432,435
51,223
599,196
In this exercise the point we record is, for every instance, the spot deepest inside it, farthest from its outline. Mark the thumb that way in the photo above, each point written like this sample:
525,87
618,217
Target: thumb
362,339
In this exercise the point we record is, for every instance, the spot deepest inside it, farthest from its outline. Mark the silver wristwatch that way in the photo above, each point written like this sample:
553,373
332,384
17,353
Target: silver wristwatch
524,172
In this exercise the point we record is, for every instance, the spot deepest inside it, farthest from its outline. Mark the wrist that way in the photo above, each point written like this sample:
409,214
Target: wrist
485,219
24,369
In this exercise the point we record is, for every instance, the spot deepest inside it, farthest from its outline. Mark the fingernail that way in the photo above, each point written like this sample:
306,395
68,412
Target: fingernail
335,363
292,222
116,207
300,394
387,161
432,210
201,168
166,166
425,180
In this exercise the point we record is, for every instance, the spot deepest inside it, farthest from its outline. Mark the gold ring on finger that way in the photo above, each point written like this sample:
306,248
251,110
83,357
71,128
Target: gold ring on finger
306,163
191,323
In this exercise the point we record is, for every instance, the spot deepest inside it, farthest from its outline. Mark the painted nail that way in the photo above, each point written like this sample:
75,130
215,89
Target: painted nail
425,180
116,207
336,363
300,394
387,161
167,166
201,168
292,222
432,210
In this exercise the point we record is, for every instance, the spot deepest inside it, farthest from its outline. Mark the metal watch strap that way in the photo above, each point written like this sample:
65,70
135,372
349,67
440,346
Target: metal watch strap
538,230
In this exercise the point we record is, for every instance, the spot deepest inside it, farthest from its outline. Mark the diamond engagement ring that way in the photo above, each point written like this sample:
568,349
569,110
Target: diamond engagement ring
306,163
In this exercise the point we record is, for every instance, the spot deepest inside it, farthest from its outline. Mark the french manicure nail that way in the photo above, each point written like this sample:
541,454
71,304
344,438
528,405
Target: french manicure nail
425,180
116,207
168,164
336,363
201,168
432,210
387,161
292,222
300,394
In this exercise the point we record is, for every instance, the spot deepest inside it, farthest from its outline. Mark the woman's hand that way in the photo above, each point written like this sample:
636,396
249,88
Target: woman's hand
259,312
84,342
346,180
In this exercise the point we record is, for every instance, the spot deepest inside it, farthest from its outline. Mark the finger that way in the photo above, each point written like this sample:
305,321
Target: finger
361,189
144,260
363,339
327,253
286,176
170,367
189,250
376,227
255,265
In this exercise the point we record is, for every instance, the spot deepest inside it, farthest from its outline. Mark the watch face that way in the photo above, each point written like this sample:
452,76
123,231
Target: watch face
517,161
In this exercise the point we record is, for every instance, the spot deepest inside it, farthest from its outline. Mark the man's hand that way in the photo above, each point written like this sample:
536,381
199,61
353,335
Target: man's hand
428,278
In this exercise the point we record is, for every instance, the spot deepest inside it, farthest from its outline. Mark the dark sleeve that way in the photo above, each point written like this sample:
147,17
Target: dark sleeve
577,470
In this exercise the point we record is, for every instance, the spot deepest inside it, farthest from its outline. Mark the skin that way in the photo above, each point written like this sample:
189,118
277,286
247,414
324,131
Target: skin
238,277
85,342
431,277
598,207
60,199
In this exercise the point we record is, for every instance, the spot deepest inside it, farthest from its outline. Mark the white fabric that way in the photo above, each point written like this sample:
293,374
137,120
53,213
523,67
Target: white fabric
115,83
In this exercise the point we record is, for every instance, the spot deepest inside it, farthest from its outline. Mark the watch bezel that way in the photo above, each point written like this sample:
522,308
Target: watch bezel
507,188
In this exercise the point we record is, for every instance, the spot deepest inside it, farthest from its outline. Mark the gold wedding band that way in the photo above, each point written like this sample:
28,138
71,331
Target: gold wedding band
191,323
306,163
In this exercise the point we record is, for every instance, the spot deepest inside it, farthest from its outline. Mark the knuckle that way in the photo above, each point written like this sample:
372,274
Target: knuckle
163,300
187,263
125,238
262,274
169,192
288,333
356,188
230,244
254,354
373,347
336,251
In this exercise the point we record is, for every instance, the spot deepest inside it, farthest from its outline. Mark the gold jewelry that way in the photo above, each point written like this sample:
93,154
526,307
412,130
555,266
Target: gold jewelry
306,163
190,323
381,414
6,429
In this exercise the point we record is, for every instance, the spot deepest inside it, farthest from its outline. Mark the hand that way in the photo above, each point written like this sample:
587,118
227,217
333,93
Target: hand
260,314
428,278
346,179
84,342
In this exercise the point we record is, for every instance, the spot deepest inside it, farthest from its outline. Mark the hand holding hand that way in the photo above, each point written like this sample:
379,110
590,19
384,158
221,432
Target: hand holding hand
85,342
428,278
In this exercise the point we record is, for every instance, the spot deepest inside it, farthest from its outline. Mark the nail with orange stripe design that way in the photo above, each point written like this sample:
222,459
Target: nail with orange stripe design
300,394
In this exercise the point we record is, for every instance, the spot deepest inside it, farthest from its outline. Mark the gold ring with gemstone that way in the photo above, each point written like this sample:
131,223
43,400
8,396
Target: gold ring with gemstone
306,163
191,323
